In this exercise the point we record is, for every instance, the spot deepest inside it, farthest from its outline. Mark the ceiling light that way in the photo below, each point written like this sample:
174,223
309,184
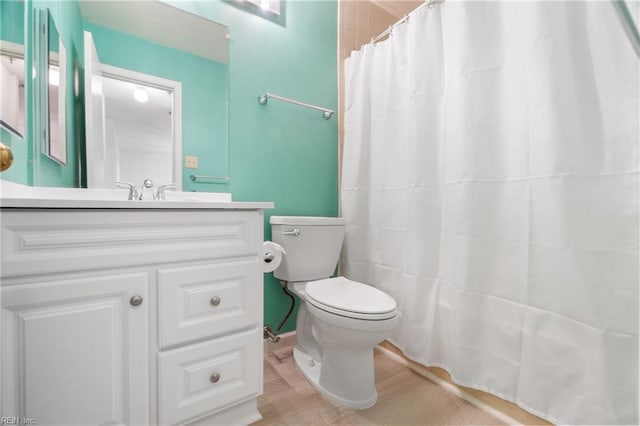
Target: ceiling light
141,95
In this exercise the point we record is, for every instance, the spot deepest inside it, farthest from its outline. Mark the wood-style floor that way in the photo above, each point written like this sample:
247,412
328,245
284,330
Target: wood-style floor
404,398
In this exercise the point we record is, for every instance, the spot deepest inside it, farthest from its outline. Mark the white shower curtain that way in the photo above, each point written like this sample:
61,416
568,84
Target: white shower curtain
490,184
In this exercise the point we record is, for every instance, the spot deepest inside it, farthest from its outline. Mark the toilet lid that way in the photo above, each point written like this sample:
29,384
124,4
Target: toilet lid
350,298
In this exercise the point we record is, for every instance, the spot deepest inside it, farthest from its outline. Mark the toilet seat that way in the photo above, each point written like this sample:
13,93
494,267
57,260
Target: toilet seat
351,299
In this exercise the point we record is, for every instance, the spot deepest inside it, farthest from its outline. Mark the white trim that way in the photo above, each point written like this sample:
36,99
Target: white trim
453,389
10,48
161,83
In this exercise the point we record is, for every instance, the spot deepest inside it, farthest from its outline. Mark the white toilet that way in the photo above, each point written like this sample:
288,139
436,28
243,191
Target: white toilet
339,320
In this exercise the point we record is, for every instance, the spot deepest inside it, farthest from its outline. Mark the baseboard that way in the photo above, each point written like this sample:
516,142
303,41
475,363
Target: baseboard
504,411
286,339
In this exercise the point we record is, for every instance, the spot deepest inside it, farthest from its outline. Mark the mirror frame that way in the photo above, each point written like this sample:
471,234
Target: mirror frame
42,123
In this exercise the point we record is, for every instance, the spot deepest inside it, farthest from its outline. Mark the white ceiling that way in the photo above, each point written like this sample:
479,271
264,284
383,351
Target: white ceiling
161,23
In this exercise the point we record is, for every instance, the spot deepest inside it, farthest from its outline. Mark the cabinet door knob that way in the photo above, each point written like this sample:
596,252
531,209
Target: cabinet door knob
215,301
215,377
136,300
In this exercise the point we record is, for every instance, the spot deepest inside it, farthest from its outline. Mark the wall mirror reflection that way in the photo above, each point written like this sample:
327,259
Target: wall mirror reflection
161,49
55,146
12,67
49,87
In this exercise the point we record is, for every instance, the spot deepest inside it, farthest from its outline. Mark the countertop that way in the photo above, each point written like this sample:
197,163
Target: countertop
13,195
44,203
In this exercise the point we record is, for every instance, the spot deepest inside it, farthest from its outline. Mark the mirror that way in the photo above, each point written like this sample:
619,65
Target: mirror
163,50
50,94
12,68
56,146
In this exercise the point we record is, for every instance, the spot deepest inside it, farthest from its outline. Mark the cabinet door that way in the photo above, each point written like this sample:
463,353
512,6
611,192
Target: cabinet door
75,351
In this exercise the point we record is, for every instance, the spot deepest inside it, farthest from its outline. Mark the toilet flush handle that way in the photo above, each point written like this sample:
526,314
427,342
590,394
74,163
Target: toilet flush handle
295,232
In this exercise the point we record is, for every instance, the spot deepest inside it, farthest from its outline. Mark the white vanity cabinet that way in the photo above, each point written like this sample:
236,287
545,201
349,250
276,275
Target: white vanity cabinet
132,316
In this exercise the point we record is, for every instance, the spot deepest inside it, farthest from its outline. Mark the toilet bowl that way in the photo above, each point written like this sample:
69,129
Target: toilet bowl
335,349
339,320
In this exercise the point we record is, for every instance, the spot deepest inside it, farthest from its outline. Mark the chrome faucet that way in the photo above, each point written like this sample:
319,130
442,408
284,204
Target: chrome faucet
133,191
160,196
139,195
147,184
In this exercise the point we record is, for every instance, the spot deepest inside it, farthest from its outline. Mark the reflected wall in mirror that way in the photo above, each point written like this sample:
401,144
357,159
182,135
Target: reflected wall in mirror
155,39
12,67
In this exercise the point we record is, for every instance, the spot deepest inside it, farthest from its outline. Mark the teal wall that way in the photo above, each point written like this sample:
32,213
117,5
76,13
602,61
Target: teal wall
30,166
281,152
204,96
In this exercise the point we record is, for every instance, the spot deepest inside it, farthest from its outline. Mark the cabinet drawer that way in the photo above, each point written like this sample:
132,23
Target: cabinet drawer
202,301
44,241
200,379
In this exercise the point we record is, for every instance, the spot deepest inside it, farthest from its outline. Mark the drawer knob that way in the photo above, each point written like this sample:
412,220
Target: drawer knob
215,301
136,300
215,378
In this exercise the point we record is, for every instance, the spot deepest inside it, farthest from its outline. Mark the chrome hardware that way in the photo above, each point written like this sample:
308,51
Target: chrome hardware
295,232
209,179
215,301
147,184
215,378
136,300
160,196
133,191
326,112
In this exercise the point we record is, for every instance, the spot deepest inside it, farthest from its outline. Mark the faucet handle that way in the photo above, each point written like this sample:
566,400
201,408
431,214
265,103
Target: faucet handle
133,191
160,196
145,190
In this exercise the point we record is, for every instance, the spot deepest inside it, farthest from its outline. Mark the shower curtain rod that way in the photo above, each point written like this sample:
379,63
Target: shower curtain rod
405,18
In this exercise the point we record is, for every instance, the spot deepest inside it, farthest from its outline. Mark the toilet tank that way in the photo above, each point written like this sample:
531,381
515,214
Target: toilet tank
312,246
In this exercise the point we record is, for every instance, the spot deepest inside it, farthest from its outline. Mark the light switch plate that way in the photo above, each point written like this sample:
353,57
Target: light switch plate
191,162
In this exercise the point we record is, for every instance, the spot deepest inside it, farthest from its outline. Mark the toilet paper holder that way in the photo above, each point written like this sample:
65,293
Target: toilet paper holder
272,255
